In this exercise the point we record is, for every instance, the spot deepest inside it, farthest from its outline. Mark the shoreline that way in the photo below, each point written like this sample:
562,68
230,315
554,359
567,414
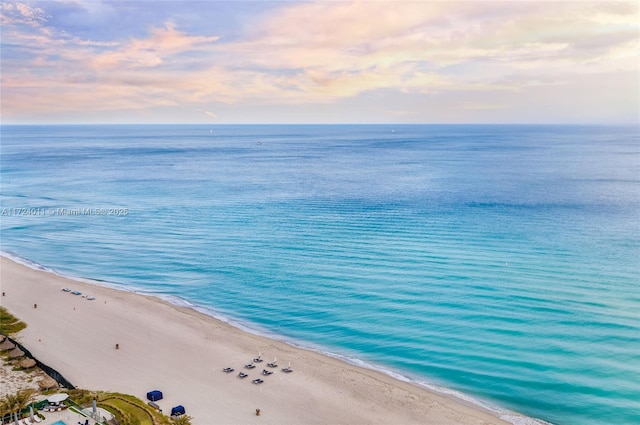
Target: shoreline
344,390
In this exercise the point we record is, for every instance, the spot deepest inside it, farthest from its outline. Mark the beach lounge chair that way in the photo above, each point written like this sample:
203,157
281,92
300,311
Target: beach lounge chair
155,395
287,369
37,418
177,411
266,372
242,375
257,381
228,369
250,366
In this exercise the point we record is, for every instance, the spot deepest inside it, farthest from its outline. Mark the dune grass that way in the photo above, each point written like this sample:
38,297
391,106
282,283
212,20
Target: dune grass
132,414
9,324
129,410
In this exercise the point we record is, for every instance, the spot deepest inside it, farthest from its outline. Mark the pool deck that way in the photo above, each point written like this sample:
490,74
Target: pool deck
69,417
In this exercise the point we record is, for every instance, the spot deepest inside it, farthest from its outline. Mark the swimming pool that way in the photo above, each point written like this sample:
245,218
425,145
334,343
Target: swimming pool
59,423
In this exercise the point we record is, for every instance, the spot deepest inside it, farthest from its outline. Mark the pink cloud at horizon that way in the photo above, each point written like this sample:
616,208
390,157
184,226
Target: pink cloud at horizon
438,59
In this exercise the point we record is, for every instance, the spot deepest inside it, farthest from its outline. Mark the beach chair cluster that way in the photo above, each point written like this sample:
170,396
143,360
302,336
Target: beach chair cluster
28,421
156,395
88,297
52,408
265,372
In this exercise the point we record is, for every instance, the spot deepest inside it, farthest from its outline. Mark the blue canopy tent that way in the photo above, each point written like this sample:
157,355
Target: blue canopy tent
154,395
177,411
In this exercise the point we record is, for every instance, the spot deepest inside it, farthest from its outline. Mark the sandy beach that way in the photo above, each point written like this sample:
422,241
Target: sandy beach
182,352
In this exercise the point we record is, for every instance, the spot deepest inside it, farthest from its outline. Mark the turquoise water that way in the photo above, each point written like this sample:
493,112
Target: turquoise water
497,261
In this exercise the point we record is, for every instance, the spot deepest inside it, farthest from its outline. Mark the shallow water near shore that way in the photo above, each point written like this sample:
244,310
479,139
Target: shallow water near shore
498,261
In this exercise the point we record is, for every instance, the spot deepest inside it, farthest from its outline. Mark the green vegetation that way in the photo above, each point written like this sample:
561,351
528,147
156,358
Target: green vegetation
127,409
128,413
15,403
82,397
182,420
10,324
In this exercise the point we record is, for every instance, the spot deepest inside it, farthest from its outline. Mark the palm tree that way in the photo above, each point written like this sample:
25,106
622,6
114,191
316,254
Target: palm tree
182,420
23,398
10,402
14,403
4,409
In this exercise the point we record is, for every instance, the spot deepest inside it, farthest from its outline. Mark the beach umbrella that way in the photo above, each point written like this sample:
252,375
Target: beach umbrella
57,398
95,408
48,383
7,345
31,413
15,416
15,353
27,363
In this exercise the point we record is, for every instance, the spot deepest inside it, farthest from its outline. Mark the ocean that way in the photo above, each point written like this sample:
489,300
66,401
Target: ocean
499,263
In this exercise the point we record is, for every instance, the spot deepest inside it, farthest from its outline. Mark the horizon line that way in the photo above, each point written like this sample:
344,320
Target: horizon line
596,124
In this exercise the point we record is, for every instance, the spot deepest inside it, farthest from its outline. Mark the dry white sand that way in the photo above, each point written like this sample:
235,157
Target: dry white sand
12,381
183,352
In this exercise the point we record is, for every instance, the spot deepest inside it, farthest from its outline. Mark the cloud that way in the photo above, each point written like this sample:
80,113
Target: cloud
22,14
336,50
315,53
208,113
151,51
480,106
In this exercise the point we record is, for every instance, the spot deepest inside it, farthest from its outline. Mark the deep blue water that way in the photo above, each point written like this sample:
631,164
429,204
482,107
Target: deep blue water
498,261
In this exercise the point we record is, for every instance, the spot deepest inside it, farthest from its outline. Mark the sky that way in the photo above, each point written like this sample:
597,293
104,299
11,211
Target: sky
150,61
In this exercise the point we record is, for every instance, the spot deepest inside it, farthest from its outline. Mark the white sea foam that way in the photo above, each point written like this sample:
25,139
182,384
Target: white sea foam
477,263
28,263
36,266
505,414
502,413
512,417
